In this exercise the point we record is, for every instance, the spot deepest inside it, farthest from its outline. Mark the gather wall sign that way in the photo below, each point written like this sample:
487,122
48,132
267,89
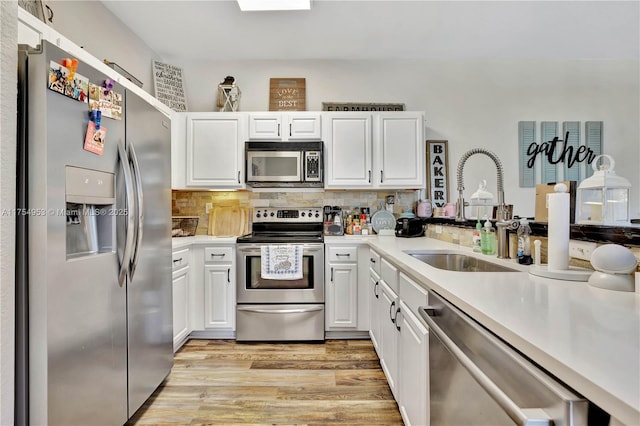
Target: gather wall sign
559,156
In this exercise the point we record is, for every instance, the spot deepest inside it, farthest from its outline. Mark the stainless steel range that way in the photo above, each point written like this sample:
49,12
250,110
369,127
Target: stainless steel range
271,308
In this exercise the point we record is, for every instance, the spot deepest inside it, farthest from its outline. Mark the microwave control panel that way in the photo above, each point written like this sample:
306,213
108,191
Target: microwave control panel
312,161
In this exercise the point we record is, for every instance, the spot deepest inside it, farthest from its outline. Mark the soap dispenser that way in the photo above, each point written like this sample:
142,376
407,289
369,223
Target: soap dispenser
488,239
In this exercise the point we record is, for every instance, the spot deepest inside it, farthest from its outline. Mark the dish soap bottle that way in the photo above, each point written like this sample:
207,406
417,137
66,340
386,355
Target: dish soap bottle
524,243
477,239
488,239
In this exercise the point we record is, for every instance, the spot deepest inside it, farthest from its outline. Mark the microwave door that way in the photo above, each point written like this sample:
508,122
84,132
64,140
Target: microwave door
274,166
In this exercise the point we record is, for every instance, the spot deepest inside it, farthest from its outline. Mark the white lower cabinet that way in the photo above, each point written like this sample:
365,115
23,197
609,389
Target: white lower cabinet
346,290
181,290
219,297
219,288
213,291
413,377
341,295
400,338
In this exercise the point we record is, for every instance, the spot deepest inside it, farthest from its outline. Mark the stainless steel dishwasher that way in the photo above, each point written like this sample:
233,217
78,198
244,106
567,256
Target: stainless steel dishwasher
477,379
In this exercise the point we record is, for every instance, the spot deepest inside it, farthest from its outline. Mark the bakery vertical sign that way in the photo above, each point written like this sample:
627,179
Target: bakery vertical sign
168,82
438,173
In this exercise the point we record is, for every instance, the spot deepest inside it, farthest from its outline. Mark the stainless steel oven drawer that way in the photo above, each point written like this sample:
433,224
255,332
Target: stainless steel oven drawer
280,322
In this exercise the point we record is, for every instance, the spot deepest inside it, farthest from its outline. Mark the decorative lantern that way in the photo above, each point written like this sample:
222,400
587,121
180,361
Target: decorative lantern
603,199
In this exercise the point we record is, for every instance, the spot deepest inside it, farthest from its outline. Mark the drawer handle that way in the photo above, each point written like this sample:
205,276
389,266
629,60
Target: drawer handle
396,319
343,254
331,274
393,320
177,260
372,260
375,287
217,254
229,275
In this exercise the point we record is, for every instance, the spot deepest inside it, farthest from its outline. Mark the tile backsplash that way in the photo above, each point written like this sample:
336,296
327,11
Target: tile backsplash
194,203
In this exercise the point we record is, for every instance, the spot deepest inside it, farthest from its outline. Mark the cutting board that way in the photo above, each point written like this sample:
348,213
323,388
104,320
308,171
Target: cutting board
228,220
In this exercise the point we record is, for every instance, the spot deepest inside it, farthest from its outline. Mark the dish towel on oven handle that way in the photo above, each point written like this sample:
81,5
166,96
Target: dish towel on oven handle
281,262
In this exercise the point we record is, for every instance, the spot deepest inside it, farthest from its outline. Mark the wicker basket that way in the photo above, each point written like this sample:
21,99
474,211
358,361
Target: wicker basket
184,226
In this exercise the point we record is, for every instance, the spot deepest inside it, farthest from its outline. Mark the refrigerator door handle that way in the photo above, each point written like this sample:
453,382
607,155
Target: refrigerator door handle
128,245
140,207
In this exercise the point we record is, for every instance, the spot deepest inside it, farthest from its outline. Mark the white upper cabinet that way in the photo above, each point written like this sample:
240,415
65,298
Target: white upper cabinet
400,154
374,150
215,150
348,150
280,126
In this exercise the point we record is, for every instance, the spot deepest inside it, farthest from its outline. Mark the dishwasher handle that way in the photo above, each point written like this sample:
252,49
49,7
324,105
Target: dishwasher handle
522,416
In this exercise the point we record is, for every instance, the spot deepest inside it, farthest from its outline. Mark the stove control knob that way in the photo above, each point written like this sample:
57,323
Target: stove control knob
302,214
272,214
257,214
317,214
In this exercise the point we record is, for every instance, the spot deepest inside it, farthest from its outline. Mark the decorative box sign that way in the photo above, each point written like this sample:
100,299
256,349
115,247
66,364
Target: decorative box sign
438,173
287,94
169,86
355,106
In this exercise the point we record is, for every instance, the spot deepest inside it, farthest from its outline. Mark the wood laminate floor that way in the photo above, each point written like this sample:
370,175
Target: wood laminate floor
223,382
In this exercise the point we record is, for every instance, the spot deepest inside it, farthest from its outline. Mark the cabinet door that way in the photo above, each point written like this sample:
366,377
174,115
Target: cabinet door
181,290
265,126
214,150
389,336
284,126
400,150
219,296
348,150
341,289
375,308
303,126
413,379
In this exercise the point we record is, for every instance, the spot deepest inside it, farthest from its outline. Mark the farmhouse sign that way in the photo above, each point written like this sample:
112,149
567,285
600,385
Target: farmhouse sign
168,83
354,106
438,173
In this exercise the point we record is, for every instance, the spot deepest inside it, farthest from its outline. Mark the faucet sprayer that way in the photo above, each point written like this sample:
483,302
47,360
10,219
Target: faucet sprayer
502,211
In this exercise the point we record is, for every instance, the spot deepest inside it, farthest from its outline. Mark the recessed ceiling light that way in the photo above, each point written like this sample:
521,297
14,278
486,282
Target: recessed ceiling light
254,5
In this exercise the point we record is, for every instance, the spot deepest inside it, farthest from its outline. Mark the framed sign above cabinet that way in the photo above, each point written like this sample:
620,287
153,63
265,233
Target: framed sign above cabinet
287,94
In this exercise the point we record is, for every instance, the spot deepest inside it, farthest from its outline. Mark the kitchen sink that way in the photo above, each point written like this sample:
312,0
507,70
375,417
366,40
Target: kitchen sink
458,262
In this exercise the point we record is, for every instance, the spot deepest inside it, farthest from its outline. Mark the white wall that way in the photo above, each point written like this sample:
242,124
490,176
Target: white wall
471,103
90,25
8,92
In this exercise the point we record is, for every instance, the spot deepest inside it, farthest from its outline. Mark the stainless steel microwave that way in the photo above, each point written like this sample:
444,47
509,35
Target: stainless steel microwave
284,164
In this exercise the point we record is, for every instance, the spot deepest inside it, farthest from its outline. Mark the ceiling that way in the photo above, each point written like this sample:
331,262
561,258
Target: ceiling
358,29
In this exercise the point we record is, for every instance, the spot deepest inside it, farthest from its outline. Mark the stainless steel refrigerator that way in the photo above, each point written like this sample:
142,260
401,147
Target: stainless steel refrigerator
94,253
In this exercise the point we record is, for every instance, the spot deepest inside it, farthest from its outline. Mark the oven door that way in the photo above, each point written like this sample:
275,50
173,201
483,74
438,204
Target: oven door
252,288
274,166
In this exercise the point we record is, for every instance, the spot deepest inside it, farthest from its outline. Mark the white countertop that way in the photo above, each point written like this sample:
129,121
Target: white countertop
587,337
179,242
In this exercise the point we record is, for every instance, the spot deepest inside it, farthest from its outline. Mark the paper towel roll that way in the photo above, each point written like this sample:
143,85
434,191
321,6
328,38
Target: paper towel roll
558,252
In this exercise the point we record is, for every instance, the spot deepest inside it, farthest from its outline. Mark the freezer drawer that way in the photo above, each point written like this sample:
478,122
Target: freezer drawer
280,322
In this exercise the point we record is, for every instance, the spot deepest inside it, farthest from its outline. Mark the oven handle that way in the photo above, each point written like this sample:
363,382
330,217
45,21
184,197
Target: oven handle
525,417
281,311
253,249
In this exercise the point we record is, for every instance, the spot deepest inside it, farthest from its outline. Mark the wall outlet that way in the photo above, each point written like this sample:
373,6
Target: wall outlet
581,249
208,207
438,229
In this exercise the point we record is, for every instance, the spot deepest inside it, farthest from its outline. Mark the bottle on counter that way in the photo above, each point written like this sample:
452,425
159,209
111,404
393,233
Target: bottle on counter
477,238
488,239
524,243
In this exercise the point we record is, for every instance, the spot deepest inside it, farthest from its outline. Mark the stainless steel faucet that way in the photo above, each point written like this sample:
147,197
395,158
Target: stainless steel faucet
502,213
503,236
